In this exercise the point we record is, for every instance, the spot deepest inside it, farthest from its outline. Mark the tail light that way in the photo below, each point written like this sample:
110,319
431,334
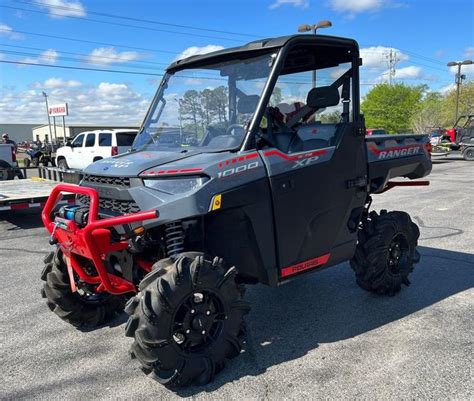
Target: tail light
429,148
114,150
13,154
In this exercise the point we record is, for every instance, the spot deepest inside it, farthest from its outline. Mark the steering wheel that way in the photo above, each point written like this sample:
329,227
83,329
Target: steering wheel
234,127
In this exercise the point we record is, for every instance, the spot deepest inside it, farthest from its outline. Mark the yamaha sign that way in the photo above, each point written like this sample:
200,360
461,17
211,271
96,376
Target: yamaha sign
58,110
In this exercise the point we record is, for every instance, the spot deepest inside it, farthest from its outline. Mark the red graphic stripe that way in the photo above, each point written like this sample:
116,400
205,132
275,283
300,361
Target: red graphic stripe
172,172
306,265
19,206
373,148
276,152
238,159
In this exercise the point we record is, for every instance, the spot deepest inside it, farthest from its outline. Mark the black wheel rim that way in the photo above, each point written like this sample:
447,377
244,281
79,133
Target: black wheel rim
198,322
397,253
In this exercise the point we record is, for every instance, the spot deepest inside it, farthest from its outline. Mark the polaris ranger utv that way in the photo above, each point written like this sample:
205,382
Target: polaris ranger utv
278,185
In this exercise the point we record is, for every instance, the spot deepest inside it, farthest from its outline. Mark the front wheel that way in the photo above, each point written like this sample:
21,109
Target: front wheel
83,309
35,162
469,154
187,319
26,162
62,164
386,252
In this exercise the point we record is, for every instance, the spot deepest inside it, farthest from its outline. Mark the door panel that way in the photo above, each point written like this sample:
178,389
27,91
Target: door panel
313,199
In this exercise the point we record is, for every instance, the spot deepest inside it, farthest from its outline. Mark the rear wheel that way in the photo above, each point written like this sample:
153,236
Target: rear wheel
386,252
83,309
187,319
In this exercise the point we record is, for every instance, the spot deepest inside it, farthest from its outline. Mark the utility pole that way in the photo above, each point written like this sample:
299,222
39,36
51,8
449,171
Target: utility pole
392,61
47,113
314,28
458,80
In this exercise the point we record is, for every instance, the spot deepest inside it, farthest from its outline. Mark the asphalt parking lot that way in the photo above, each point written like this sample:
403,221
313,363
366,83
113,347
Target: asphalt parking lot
317,337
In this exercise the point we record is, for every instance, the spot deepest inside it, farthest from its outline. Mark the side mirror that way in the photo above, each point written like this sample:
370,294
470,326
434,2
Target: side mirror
324,96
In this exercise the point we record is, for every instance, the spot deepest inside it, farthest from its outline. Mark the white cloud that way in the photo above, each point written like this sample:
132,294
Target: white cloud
376,57
104,103
56,83
63,8
469,52
49,56
8,32
108,55
295,3
409,72
356,6
446,89
194,50
467,70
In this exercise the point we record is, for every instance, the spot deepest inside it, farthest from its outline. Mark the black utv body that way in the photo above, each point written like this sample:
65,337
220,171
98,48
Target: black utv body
277,183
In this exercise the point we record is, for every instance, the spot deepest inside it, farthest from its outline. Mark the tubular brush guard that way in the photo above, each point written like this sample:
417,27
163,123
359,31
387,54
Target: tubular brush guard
93,241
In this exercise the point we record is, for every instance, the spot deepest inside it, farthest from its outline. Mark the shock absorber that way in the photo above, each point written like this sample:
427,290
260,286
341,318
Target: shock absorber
174,238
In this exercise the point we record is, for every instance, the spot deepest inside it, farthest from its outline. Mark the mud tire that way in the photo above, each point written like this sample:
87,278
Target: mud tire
376,268
155,310
80,311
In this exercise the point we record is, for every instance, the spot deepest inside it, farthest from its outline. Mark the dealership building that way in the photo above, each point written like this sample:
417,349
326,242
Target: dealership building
43,133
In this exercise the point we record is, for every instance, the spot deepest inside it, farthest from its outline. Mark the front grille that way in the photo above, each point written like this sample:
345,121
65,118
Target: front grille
98,179
114,205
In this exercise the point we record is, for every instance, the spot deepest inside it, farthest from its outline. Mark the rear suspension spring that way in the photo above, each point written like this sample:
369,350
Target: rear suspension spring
174,238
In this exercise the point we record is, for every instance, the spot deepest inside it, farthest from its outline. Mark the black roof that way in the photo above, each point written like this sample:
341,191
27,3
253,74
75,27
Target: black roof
259,46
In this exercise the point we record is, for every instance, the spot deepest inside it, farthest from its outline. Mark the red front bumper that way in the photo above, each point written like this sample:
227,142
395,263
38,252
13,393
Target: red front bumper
92,241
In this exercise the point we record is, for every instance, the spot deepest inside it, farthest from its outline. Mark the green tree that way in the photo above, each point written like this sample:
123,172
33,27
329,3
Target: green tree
190,110
429,114
392,106
466,103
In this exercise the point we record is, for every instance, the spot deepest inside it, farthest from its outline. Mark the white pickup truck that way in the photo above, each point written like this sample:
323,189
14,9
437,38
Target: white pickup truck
8,164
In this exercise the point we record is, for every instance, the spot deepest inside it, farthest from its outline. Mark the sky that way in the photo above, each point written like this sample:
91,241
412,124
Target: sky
142,37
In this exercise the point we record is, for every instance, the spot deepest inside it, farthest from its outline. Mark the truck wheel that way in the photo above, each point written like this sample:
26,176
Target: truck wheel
62,164
386,252
83,309
186,320
469,154
7,172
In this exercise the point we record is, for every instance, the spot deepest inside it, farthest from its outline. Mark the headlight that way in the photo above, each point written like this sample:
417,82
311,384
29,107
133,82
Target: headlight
176,186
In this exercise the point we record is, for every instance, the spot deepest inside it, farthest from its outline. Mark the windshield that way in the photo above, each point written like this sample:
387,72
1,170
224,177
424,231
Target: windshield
206,108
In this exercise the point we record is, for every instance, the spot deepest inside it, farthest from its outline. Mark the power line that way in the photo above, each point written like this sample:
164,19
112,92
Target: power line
67,67
121,24
89,41
102,14
90,56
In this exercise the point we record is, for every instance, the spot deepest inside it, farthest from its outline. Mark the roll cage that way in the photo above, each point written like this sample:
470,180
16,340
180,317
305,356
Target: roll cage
291,54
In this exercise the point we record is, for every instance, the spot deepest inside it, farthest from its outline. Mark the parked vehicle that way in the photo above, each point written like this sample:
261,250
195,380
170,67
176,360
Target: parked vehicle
8,164
262,198
462,136
91,146
376,131
39,155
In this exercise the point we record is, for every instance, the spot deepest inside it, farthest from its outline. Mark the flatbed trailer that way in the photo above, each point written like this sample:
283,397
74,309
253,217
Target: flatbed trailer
27,193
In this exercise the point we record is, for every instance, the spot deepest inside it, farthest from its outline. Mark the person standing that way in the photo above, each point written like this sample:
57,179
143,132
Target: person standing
6,140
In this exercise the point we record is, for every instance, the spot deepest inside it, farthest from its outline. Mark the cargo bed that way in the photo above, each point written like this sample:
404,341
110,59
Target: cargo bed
392,156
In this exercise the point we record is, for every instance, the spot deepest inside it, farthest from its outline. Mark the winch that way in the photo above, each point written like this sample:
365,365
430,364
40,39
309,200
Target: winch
76,213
